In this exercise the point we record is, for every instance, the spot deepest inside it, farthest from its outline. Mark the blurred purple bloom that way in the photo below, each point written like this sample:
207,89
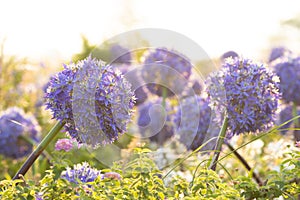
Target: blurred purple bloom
120,54
155,121
197,87
140,95
249,93
14,123
112,175
166,69
133,77
278,52
288,70
81,173
285,115
193,123
95,98
228,54
64,144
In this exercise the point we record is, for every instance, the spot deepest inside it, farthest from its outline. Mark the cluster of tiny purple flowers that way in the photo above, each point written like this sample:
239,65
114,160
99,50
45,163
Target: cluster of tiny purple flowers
81,173
249,94
166,70
14,126
155,121
94,101
193,132
288,70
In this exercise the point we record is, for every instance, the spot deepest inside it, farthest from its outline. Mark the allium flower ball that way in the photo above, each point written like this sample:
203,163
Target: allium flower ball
193,123
278,52
155,121
94,101
166,70
120,54
288,70
249,93
14,124
285,115
81,173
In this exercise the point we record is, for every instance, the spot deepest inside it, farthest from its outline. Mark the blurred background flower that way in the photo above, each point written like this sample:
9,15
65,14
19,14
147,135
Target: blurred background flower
17,133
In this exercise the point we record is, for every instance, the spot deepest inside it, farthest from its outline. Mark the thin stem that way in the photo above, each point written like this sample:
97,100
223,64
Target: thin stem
296,123
220,141
181,160
37,152
245,163
34,143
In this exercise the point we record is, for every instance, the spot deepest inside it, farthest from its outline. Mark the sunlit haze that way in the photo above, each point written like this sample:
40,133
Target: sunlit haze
53,29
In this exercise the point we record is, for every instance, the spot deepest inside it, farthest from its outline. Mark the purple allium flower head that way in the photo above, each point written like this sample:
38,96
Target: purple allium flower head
228,54
285,115
155,121
249,93
94,101
81,172
14,123
193,123
166,69
120,54
288,70
278,52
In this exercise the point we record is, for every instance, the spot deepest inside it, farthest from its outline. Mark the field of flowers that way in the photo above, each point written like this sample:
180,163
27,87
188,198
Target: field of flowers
150,124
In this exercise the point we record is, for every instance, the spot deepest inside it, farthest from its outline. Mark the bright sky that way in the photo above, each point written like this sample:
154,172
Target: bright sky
52,29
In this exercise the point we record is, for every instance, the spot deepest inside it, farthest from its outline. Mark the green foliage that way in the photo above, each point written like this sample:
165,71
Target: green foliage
284,182
142,180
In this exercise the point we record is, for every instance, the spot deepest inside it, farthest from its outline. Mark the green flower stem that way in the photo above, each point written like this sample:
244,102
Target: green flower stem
245,163
37,152
220,141
296,123
45,153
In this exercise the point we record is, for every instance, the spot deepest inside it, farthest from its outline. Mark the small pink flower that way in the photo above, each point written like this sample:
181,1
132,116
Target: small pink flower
297,144
112,175
64,144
